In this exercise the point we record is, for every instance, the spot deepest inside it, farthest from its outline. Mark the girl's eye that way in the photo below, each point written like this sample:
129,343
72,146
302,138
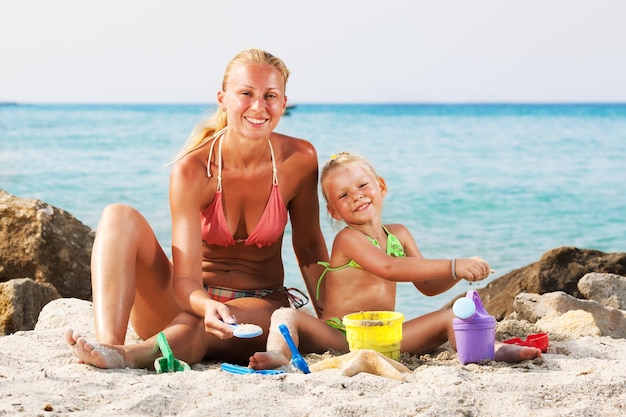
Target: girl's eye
342,196
364,185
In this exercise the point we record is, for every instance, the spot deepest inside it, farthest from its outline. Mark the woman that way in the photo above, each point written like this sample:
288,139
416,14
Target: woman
231,189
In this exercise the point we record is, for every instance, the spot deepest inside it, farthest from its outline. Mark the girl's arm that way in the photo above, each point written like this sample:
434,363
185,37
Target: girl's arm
430,276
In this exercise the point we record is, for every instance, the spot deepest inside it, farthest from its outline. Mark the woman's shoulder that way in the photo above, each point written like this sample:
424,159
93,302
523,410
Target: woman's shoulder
294,144
190,165
299,154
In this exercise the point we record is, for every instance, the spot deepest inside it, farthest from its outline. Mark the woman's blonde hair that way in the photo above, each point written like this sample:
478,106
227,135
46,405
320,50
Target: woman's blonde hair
207,128
342,159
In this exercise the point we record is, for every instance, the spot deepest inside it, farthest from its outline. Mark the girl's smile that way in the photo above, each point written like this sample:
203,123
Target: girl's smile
354,194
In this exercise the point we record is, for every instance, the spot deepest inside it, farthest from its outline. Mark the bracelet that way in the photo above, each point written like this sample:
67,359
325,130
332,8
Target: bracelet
453,264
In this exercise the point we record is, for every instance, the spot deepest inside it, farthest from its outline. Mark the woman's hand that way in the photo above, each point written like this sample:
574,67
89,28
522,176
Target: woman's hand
215,316
472,269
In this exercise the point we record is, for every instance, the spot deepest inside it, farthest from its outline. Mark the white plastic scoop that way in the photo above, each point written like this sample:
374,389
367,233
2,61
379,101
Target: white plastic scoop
245,331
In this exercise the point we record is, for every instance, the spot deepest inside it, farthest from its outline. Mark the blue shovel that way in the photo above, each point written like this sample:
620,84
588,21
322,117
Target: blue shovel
296,358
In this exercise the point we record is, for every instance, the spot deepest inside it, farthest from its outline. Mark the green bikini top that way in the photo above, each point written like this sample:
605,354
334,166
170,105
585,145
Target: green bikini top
394,248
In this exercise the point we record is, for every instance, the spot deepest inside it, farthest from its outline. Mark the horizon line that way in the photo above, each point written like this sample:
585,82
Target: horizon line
315,103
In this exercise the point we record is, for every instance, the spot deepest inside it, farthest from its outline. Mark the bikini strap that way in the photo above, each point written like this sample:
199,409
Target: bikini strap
217,135
297,298
274,172
327,268
372,240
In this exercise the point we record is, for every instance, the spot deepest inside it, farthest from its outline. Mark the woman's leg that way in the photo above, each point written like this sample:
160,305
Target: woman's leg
246,310
186,337
131,277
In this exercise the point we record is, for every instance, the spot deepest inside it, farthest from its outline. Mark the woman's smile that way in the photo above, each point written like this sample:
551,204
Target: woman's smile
255,121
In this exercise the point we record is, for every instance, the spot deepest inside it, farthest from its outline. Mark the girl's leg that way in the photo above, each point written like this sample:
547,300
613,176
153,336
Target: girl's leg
131,277
309,333
426,333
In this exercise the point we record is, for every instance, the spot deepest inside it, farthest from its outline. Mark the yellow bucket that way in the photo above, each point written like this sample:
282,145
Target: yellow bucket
377,330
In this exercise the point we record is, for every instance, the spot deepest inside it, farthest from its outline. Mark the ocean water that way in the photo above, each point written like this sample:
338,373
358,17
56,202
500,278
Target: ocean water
506,182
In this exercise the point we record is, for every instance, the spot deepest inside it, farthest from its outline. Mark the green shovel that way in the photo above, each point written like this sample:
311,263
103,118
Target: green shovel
168,363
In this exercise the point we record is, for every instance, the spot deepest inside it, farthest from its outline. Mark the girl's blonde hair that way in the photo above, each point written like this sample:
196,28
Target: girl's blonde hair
342,159
205,130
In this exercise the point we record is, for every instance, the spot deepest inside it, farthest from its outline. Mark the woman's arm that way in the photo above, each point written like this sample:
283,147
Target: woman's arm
188,188
308,242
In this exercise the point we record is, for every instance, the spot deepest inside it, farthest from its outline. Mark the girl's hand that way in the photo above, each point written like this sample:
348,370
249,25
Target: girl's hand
215,315
472,269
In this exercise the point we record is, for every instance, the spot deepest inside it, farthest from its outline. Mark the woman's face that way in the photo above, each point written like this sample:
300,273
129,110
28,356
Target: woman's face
354,195
254,99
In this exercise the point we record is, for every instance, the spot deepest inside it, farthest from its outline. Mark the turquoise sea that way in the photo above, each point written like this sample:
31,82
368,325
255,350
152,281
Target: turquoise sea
503,181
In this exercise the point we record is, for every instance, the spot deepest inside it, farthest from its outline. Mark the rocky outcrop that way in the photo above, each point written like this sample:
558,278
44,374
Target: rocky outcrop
607,289
562,315
558,270
44,254
44,243
21,300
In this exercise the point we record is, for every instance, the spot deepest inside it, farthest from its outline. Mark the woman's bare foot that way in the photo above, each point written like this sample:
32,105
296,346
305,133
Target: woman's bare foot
101,356
514,353
267,360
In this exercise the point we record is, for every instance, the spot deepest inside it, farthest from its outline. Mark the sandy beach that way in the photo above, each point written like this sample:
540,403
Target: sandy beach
38,376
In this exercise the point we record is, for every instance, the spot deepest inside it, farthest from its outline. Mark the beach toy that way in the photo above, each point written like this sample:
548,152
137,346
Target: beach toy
296,358
242,370
474,329
464,308
538,340
168,363
376,330
245,331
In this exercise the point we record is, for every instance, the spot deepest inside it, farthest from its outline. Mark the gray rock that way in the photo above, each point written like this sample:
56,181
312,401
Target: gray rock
607,289
548,307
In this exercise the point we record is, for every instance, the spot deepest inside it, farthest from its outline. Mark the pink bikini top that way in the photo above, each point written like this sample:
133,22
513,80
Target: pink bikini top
271,225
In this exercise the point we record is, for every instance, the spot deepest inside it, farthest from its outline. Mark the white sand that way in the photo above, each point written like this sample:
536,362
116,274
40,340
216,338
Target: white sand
581,377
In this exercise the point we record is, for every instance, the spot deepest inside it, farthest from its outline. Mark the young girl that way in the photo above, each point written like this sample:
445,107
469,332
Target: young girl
367,259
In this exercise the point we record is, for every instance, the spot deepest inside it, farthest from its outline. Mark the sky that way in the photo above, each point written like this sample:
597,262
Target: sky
338,51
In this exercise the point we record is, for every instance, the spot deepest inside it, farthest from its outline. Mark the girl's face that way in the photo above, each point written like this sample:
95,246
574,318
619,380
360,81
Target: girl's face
354,195
254,99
